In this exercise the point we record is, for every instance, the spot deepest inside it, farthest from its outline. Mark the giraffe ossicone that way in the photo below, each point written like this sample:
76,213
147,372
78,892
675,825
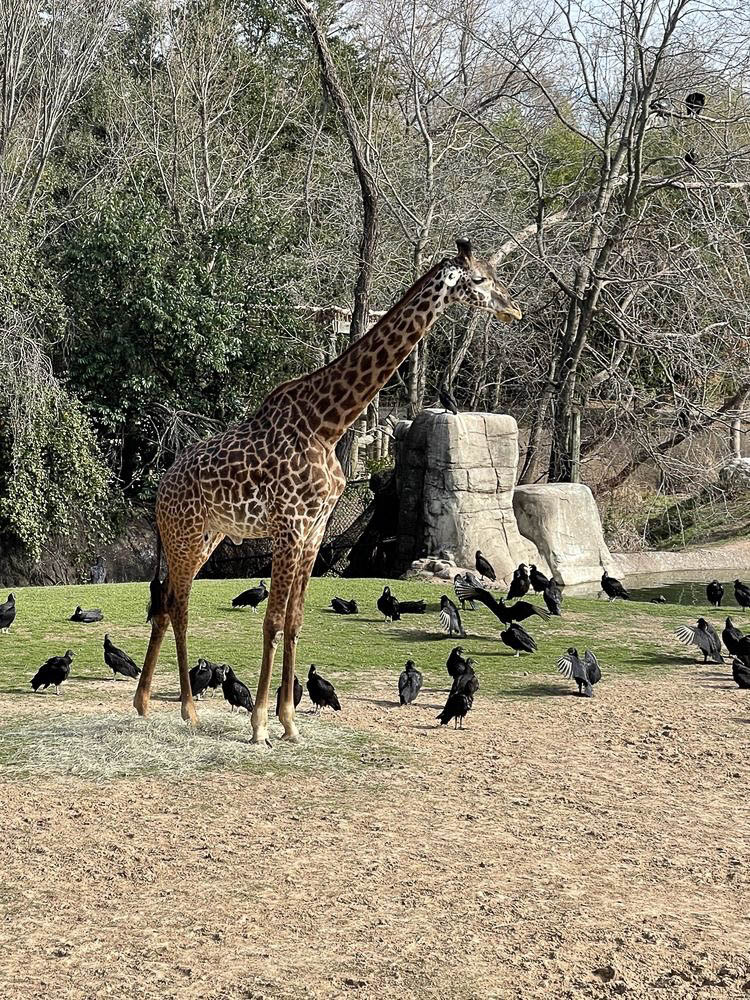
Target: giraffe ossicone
276,475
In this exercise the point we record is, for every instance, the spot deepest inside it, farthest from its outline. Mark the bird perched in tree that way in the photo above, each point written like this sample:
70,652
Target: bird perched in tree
321,691
342,607
516,637
520,583
731,637
613,588
446,400
537,579
205,676
741,595
251,598
741,674
662,107
92,615
412,607
296,695
691,158
714,593
553,598
450,619
54,671
704,636
584,672
7,613
519,611
456,707
118,661
484,567
409,683
235,692
695,103
388,606
456,662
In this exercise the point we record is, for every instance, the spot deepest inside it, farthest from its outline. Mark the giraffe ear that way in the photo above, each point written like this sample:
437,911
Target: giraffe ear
464,248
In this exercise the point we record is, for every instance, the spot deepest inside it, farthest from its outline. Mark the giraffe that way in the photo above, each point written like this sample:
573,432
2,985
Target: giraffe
276,475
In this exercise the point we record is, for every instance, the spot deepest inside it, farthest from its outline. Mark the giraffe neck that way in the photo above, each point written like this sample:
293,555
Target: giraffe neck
341,390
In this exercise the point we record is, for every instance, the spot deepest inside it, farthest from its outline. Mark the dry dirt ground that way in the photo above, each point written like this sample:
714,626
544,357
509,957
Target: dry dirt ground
555,848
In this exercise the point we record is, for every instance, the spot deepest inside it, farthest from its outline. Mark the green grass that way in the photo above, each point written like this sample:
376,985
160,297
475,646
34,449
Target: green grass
709,518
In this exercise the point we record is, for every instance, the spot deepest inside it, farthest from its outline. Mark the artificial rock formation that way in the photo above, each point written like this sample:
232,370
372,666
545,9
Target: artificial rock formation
455,477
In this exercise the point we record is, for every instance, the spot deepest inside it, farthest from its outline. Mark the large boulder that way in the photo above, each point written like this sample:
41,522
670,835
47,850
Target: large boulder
563,521
455,477
735,475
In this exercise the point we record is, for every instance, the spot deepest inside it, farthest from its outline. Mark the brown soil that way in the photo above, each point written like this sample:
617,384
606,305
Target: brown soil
555,848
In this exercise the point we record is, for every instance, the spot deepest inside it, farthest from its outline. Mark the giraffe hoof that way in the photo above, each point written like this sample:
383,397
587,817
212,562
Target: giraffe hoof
262,739
141,706
292,737
190,716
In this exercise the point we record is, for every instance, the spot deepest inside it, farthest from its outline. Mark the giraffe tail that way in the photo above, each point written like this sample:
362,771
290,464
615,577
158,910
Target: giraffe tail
156,604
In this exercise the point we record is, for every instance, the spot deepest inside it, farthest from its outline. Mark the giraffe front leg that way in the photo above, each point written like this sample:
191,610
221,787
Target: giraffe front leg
283,572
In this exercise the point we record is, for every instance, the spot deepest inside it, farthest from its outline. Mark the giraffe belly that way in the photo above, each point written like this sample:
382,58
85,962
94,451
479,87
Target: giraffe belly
246,518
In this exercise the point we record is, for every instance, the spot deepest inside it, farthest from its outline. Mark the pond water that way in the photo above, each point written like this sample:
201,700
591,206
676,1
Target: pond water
690,592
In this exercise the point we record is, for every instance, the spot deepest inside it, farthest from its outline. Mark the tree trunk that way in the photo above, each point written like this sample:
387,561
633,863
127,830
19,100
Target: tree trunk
531,459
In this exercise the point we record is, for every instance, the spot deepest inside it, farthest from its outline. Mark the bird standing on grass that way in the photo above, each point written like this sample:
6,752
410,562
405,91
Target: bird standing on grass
741,595
704,636
446,400
450,619
412,607
538,580
456,707
342,607
584,672
461,583
456,661
251,598
206,676
516,637
731,637
7,613
520,583
54,671
321,691
466,681
519,611
553,598
409,683
613,588
741,674
388,606
714,593
296,694
484,567
118,661
92,615
235,692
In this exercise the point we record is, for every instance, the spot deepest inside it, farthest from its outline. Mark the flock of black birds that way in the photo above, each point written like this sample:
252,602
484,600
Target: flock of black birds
469,590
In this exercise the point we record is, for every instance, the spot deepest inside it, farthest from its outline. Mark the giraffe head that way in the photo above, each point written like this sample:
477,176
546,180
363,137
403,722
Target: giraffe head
474,283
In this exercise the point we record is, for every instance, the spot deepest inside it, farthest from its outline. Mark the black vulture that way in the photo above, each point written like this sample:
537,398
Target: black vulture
98,572
704,636
695,103
584,672
691,158
714,593
553,598
538,580
206,676
516,637
321,691
661,106
296,695
741,595
661,599
7,613
92,615
466,681
251,598
446,400
412,607
613,588
519,611
456,707
118,661
342,607
484,567
409,683
741,674
388,605
235,692
456,661
460,583
450,619
520,583
731,637
53,671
